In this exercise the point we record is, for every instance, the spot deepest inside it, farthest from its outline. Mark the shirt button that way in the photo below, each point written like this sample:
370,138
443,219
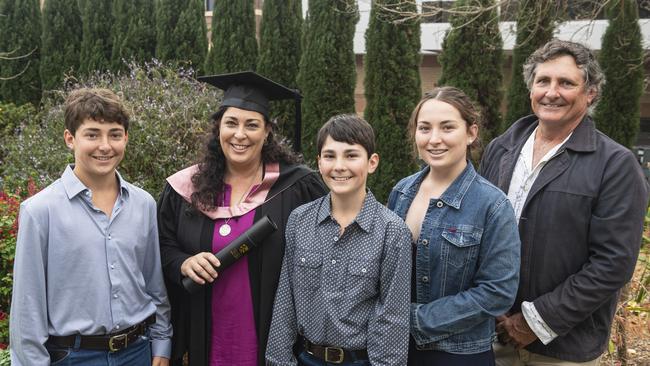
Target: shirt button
117,327
303,260
112,266
336,238
425,279
425,242
333,261
439,204
363,270
115,296
109,236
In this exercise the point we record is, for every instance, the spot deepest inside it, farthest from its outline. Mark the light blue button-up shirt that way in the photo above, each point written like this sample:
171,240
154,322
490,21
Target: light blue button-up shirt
77,271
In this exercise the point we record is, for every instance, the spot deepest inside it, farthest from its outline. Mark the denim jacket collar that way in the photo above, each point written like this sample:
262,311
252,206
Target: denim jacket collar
454,194
364,218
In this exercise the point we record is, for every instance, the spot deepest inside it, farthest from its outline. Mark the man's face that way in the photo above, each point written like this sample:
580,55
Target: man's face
558,96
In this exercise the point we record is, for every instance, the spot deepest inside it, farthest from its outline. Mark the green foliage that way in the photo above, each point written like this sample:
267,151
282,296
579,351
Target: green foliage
471,59
134,32
621,58
392,86
61,42
20,38
327,66
234,47
96,41
181,32
169,116
280,54
9,204
12,117
5,359
534,28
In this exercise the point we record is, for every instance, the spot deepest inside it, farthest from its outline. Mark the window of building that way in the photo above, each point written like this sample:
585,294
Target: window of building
508,11
436,11
581,9
644,9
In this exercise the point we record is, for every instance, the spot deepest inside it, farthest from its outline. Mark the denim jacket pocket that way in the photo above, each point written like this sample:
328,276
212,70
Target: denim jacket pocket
307,271
461,244
362,278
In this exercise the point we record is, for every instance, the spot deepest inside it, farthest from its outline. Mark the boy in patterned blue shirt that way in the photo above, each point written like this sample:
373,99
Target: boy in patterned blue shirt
344,291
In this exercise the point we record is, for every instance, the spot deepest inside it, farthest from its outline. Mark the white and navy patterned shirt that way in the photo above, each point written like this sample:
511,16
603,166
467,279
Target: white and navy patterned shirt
350,291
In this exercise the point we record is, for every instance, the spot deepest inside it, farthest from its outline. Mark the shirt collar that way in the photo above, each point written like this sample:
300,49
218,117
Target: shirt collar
364,218
73,186
455,193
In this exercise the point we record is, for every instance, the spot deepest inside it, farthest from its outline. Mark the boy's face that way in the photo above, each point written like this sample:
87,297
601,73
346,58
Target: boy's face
98,149
345,167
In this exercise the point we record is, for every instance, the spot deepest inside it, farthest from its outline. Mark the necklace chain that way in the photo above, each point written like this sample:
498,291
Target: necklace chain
225,228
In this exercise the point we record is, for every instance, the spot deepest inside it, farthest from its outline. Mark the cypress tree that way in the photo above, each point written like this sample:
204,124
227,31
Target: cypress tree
280,53
134,32
327,66
181,32
472,56
534,29
20,37
191,35
392,88
234,47
61,41
96,40
621,58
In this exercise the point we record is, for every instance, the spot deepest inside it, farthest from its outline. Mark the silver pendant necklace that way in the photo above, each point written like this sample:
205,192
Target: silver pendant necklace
225,229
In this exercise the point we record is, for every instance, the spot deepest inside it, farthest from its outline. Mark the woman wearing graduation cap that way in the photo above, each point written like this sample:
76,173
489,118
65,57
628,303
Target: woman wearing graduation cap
244,175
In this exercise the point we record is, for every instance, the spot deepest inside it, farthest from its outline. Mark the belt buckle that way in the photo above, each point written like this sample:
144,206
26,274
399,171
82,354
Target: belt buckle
339,359
118,338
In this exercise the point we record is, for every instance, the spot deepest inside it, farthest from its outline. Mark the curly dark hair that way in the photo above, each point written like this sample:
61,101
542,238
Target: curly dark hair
209,179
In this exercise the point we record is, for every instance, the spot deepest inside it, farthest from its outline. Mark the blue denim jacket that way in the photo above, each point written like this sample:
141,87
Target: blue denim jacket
466,264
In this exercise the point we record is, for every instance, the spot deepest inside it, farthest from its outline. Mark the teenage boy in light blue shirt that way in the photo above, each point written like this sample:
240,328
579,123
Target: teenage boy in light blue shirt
88,286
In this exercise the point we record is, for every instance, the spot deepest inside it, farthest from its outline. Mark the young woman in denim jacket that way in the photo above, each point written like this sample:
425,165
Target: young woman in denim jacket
465,238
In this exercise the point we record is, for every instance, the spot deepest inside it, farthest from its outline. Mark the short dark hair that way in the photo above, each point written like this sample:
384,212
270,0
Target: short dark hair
585,60
348,128
101,105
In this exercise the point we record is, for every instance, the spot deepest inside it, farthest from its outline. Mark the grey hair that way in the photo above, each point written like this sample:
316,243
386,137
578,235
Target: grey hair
585,60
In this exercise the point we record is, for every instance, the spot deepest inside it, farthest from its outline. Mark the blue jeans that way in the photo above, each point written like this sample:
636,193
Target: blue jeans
305,359
136,354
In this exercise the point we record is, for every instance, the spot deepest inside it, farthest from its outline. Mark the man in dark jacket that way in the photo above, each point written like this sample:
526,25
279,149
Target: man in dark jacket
580,199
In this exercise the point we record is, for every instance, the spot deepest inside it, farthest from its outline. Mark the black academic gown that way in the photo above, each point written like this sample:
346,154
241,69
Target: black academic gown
185,231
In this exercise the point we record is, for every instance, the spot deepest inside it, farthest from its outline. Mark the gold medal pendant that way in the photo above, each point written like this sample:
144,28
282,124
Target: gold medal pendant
225,229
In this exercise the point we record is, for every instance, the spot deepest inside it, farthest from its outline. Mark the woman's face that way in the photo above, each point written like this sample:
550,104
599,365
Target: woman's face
442,137
242,134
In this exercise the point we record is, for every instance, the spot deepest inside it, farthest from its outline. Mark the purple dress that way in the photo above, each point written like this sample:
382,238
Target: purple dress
233,335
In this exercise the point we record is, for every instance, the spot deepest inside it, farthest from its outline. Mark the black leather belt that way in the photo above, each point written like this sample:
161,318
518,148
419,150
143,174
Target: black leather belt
333,354
110,342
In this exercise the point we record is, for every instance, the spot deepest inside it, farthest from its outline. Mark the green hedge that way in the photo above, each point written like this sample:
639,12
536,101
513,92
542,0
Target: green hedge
169,117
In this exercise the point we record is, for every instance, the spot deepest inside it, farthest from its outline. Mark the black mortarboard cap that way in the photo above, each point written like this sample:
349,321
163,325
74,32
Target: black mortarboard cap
251,91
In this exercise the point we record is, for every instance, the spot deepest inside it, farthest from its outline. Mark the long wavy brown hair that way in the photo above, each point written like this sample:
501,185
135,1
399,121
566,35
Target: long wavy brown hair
210,177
